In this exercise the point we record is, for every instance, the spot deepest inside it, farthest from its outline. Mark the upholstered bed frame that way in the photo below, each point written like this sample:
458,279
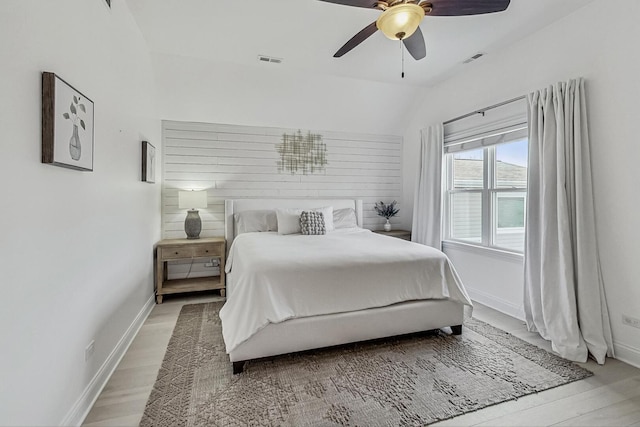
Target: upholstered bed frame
333,329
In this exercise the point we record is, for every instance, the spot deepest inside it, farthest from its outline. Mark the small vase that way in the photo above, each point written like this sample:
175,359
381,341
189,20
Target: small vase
387,226
74,144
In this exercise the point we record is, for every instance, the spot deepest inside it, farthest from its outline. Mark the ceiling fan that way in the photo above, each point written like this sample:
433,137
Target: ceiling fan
400,19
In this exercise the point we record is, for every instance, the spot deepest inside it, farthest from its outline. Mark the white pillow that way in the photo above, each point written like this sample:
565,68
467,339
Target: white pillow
344,218
255,220
289,219
327,212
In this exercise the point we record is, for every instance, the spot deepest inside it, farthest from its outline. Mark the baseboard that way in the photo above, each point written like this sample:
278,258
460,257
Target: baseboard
496,303
624,352
80,410
627,354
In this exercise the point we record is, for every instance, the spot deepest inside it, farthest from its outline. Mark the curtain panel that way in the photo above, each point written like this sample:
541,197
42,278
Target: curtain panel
427,206
564,298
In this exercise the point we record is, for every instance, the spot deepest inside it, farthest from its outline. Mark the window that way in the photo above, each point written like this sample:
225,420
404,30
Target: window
486,190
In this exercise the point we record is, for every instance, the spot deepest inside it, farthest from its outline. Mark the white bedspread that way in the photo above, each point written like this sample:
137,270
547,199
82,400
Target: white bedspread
273,277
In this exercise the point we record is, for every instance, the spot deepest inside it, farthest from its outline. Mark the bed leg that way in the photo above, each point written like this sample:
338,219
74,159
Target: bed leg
456,330
238,367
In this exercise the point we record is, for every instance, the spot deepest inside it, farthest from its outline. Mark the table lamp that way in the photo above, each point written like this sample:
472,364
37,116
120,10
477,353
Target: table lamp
192,200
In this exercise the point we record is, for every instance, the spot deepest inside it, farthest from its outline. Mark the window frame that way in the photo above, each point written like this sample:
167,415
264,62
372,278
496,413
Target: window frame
489,200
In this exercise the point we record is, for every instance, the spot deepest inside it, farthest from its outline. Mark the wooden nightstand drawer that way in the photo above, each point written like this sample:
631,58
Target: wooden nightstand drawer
206,250
400,234
176,252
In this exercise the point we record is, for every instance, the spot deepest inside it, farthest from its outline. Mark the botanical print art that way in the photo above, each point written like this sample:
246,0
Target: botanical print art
76,108
148,162
73,131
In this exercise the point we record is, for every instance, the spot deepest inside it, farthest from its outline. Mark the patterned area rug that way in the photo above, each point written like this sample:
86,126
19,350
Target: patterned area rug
412,380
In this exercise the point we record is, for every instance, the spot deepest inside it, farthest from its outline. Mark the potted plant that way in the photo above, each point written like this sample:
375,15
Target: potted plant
387,211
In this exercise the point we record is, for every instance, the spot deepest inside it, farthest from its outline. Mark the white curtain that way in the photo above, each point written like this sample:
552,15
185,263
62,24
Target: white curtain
427,210
564,296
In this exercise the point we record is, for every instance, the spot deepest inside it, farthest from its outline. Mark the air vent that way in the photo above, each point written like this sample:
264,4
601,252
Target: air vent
265,58
473,58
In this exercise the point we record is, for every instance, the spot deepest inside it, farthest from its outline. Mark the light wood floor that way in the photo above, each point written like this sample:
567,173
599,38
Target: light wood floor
610,398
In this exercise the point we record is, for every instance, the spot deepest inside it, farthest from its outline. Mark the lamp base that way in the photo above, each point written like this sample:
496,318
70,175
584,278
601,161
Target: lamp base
193,224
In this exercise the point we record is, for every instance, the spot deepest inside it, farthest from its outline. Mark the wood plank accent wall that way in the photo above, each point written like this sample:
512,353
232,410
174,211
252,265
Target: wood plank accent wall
233,162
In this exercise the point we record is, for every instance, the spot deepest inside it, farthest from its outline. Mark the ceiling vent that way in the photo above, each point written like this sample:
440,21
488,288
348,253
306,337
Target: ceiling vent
473,58
265,58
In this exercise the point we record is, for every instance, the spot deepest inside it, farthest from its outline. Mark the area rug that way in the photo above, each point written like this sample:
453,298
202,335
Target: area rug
412,380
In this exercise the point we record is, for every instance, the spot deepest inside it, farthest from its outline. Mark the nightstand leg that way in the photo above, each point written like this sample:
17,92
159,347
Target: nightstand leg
159,299
223,292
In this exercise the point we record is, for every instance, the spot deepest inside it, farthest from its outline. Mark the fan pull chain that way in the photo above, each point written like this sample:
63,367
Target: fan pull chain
402,53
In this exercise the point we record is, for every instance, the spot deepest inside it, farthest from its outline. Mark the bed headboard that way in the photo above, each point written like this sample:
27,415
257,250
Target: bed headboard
232,206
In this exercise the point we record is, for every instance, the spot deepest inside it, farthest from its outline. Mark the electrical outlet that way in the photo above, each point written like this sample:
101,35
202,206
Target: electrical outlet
213,262
88,350
630,321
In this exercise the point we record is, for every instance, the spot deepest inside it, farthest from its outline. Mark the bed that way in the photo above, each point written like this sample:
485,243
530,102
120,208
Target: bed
294,292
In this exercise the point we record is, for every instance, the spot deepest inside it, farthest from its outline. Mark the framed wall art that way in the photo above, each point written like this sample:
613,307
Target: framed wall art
67,125
148,162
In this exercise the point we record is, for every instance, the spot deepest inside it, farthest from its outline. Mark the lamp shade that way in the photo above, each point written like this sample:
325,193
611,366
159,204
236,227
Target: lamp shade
400,21
192,199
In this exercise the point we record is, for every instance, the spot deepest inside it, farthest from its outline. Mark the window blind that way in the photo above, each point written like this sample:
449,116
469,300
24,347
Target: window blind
505,123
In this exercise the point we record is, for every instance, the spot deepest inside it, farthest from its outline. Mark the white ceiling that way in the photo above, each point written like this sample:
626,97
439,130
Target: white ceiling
306,34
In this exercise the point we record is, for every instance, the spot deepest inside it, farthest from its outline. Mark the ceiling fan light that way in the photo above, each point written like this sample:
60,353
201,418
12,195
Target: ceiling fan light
400,21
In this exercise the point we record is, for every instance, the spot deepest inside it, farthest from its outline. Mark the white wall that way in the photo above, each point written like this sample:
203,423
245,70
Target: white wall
76,247
491,277
277,96
597,43
271,95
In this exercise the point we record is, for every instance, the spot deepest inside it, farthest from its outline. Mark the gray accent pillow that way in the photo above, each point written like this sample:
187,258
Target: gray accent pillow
312,223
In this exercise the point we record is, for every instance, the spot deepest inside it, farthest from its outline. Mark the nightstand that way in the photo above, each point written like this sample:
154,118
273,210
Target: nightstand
400,234
181,249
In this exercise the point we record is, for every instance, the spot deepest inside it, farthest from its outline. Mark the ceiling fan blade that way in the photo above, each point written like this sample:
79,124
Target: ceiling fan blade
364,34
415,45
466,7
370,4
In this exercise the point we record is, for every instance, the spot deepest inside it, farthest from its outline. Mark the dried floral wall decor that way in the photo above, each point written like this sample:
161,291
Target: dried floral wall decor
302,153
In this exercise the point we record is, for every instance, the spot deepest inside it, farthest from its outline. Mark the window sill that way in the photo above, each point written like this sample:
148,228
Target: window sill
484,251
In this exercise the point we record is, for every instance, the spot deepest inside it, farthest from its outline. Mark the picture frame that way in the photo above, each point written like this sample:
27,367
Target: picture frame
148,163
67,125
